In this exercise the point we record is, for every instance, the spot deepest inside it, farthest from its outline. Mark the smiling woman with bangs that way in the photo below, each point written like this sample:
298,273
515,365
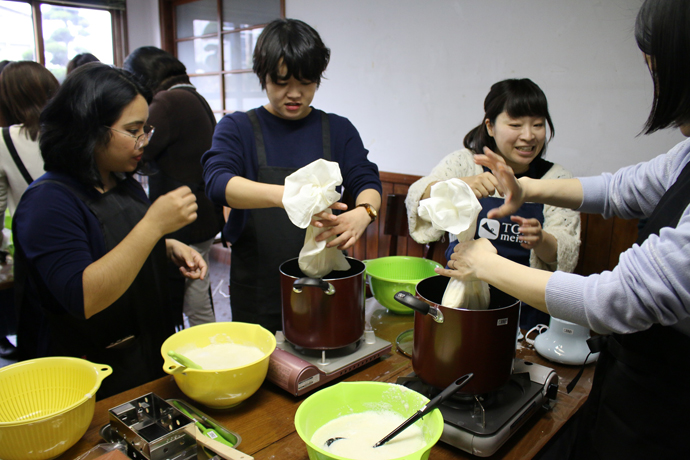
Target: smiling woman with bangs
515,122
253,153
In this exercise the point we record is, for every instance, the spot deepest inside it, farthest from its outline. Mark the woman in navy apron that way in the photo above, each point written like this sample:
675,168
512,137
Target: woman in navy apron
514,126
253,153
90,265
639,404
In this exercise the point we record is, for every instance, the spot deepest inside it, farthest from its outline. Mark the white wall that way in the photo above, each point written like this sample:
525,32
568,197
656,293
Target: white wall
412,74
143,24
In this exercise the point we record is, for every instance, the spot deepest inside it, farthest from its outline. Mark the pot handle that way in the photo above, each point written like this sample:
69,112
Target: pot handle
327,288
414,303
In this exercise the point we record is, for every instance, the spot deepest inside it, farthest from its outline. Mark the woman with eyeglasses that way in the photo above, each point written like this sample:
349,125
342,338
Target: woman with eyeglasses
90,254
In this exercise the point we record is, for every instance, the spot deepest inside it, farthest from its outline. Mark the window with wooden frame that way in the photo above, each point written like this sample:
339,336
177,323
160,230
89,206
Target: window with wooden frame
53,32
215,40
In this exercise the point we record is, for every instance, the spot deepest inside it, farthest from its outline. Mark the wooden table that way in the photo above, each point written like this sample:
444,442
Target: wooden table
265,421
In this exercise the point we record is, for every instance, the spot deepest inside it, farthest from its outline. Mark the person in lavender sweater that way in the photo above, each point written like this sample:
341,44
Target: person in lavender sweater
639,406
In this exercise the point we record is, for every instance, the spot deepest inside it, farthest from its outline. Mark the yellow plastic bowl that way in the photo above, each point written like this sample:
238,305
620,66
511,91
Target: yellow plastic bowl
46,405
354,397
219,389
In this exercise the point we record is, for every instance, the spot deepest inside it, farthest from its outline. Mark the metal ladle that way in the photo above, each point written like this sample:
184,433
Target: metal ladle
431,405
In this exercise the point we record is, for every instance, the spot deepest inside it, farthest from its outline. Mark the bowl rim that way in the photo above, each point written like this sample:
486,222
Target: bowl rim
267,355
415,281
90,395
436,413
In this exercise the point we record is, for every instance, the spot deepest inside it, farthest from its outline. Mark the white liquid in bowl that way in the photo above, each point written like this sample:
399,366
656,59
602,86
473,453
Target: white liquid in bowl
220,356
361,431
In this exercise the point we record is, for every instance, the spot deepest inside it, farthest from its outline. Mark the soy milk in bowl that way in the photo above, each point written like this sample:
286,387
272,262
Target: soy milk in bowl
363,413
361,431
218,356
234,358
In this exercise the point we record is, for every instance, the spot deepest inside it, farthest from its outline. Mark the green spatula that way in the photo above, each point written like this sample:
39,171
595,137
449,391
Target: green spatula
186,362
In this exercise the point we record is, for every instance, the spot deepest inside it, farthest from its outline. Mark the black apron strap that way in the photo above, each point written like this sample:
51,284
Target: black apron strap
15,156
326,136
258,138
261,147
670,208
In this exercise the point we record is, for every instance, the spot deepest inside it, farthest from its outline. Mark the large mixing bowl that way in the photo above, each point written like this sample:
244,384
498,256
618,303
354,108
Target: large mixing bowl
219,389
392,274
46,405
354,397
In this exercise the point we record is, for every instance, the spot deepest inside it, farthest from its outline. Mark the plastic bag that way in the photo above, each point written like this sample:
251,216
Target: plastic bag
453,207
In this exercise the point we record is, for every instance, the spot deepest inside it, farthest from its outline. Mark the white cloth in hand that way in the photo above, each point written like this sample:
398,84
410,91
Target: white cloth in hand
454,208
308,191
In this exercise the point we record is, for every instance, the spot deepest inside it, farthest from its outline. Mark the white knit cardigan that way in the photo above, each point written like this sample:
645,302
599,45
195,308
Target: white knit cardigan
563,224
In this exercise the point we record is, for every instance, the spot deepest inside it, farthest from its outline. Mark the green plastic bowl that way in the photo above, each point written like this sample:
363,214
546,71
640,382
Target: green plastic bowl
354,397
390,275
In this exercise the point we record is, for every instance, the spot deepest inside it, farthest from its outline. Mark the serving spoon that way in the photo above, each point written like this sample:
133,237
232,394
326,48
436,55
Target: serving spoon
431,405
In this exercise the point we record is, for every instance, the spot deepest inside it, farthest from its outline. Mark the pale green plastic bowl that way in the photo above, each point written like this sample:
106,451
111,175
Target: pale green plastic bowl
390,275
355,397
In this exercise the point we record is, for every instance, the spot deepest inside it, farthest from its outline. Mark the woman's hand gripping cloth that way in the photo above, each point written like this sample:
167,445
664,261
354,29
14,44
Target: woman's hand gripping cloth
308,191
452,207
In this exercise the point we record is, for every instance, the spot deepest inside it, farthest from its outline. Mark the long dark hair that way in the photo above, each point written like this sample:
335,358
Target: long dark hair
518,98
157,69
662,31
79,60
297,44
75,122
25,88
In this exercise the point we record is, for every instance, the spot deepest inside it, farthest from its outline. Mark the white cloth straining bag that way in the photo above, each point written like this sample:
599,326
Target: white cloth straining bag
453,207
308,191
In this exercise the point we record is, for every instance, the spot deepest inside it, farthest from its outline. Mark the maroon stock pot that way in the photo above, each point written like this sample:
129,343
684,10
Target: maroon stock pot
325,313
450,342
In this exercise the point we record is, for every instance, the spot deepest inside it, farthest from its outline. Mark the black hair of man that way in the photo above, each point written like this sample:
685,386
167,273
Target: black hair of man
296,46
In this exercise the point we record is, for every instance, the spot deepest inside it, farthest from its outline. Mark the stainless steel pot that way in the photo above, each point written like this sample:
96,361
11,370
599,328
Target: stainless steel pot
449,342
326,313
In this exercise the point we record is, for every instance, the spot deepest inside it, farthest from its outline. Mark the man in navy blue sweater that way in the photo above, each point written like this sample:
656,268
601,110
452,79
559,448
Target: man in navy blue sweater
253,153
